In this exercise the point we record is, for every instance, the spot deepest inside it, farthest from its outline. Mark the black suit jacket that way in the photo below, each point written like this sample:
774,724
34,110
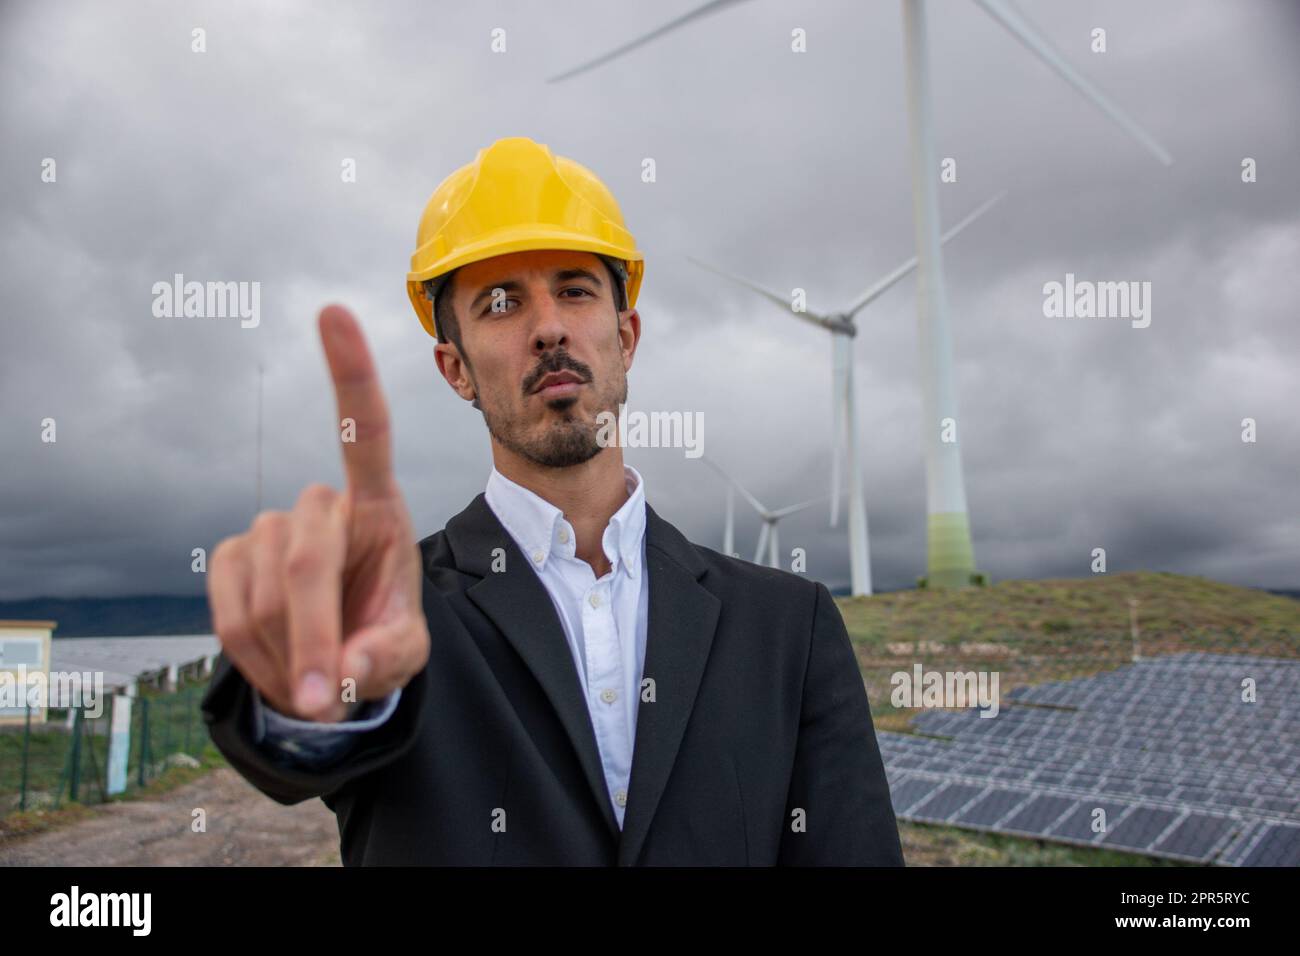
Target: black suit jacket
758,747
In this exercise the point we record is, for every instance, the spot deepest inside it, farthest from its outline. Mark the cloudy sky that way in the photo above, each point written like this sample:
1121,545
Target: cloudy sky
790,168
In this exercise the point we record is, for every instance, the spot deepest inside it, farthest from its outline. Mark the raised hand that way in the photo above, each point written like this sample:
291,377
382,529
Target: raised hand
305,600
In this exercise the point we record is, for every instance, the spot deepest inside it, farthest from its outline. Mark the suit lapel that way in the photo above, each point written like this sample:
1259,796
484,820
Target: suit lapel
681,622
518,604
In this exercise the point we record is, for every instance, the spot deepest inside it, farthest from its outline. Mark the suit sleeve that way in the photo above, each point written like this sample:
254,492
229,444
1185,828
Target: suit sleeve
838,778
236,725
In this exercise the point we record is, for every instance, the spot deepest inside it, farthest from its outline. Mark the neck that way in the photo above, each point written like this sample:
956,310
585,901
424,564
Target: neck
587,494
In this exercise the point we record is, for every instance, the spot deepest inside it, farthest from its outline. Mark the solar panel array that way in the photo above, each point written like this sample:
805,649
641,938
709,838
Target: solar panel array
122,660
1180,764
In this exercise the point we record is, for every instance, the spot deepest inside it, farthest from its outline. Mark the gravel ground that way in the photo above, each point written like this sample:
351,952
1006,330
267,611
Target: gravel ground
244,828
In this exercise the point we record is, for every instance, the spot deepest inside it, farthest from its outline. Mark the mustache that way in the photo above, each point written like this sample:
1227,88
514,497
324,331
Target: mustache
558,361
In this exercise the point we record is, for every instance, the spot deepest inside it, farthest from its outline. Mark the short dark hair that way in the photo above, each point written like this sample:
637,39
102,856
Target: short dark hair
444,316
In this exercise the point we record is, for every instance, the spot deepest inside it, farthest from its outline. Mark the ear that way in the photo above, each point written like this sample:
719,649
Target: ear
456,371
629,335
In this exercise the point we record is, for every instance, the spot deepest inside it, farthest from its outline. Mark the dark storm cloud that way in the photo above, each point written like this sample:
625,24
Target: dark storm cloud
792,169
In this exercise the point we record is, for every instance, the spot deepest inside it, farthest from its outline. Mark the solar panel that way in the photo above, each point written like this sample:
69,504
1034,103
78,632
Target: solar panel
992,807
947,801
1039,814
1196,835
909,793
1140,827
1079,823
1278,845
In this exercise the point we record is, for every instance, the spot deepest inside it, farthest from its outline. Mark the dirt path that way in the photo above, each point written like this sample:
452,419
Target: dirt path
244,828
247,828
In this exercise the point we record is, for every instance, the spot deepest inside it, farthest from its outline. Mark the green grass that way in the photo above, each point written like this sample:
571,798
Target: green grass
175,726
935,845
1171,608
27,822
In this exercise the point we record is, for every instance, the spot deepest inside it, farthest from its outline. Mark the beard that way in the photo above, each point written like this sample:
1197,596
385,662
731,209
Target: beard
566,438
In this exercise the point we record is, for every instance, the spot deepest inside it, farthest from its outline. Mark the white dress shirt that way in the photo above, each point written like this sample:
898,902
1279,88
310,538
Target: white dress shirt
605,623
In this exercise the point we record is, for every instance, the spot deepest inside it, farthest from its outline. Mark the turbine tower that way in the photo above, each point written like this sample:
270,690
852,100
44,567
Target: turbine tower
950,556
845,436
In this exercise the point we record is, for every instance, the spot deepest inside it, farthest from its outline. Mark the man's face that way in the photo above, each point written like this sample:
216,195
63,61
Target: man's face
547,351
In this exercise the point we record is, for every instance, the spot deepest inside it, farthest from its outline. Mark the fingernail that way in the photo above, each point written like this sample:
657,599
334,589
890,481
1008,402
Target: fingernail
313,693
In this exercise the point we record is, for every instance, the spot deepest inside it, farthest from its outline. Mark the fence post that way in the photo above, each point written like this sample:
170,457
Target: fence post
167,727
144,736
27,739
119,745
189,715
76,756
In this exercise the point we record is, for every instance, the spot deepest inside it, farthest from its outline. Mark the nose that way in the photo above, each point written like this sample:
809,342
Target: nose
549,331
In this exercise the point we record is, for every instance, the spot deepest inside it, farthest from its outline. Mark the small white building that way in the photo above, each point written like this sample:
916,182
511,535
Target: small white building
24,652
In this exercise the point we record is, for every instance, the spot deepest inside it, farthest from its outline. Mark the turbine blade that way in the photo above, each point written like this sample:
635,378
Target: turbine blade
1019,27
890,280
762,542
754,502
808,316
712,7
782,512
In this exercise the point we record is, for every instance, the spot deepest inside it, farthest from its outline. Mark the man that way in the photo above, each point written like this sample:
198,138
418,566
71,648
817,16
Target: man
558,676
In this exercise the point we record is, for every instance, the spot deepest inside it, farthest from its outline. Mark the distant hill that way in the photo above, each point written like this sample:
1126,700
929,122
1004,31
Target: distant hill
111,617
1170,606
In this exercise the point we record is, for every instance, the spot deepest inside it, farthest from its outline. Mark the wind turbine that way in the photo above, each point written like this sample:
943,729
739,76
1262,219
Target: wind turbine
767,537
950,557
844,428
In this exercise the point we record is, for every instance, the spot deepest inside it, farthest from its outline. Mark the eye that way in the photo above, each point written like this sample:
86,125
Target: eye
489,310
576,288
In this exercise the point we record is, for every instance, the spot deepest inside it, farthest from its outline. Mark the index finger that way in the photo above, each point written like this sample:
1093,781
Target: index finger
367,457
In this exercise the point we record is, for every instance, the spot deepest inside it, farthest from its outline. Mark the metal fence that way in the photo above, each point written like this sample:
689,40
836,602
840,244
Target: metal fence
66,758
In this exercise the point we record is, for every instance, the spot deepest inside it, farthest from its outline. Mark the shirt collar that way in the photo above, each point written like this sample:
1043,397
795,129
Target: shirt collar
540,528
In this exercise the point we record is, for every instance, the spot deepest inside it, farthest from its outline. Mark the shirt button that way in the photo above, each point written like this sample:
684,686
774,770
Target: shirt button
564,536
621,798
608,695
594,600
537,556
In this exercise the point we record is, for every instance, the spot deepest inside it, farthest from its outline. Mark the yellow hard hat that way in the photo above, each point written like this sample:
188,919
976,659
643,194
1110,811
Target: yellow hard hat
514,197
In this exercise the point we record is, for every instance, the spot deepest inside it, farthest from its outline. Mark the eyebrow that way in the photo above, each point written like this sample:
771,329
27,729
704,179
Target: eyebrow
514,285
